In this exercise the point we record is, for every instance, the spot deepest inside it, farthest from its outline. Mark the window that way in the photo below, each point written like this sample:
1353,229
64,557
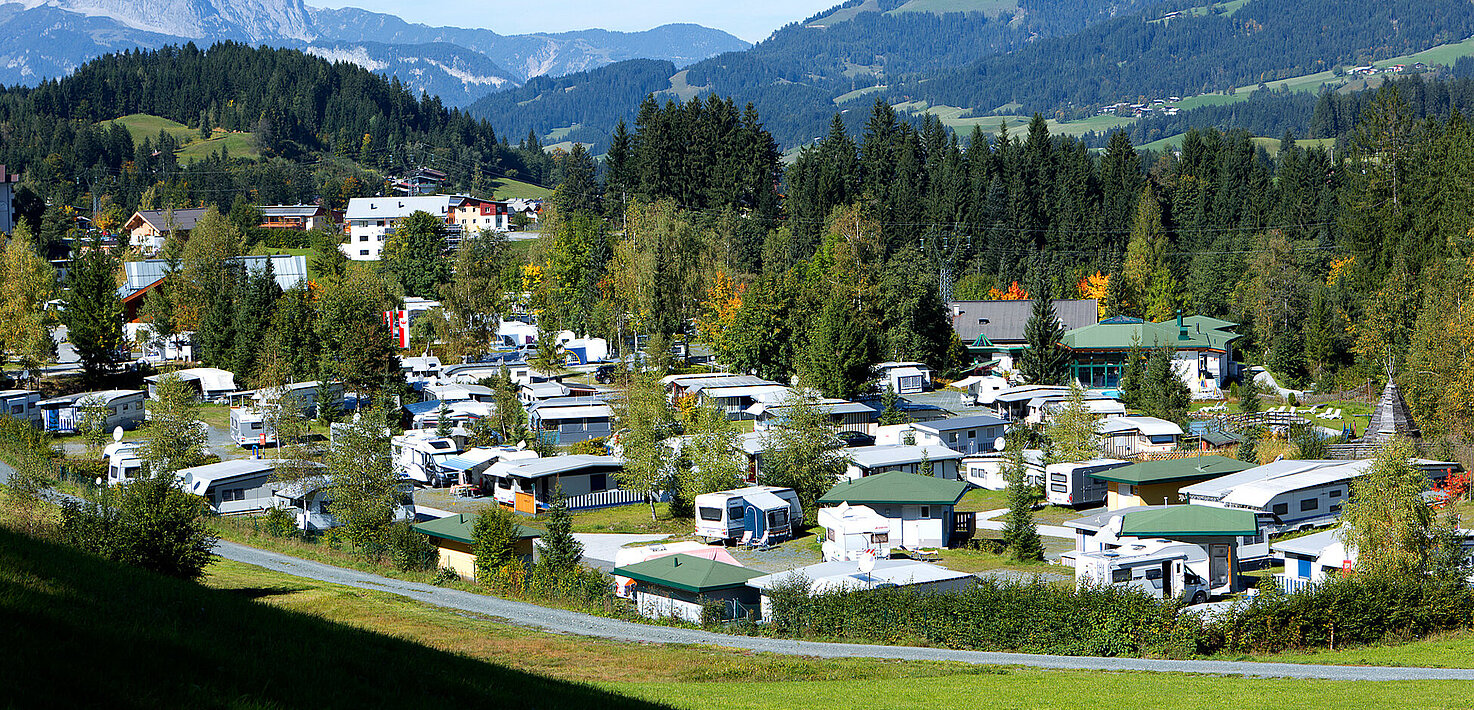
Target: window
1336,493
1310,504
1056,476
926,511
17,409
1154,574
829,534
1120,575
710,513
952,437
1335,510
972,433
778,518
1281,508
363,238
1058,488
363,252
876,538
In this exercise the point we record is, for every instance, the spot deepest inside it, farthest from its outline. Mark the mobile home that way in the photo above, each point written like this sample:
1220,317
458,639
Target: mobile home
854,531
587,481
920,508
1122,437
418,456
233,487
569,420
21,404
974,434
748,514
872,460
250,426
1072,483
63,414
903,377
311,502
1162,568
990,470
123,463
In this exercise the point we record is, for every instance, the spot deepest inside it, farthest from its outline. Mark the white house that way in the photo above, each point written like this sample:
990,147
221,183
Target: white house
909,575
1122,437
540,391
736,401
872,460
371,220
966,435
919,508
903,377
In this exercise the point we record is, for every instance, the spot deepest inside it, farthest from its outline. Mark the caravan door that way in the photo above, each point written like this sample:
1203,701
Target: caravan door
1219,573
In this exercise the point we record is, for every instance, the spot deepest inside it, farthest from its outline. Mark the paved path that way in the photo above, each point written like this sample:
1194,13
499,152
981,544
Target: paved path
561,621
987,520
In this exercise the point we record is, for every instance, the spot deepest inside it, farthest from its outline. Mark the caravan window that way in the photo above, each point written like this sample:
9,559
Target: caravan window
1121,575
1310,504
1336,493
598,482
876,538
778,518
1056,476
1154,574
1058,488
1281,508
710,513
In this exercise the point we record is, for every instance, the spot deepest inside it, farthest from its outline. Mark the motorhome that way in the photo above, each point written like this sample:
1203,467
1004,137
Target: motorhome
1162,568
854,531
1071,483
250,426
418,456
311,503
123,463
747,514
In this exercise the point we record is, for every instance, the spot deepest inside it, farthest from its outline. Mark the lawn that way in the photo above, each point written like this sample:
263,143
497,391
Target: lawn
239,145
507,189
143,125
632,519
857,93
992,8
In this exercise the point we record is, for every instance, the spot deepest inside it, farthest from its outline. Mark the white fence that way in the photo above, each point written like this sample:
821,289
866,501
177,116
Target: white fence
606,499
1292,585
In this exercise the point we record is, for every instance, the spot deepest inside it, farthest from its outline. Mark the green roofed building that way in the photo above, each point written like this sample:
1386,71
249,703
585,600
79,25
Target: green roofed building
1098,351
919,508
1222,532
1158,482
682,585
453,539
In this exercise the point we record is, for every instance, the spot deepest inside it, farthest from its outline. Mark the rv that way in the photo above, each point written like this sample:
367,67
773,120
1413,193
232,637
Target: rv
1162,568
123,464
418,456
854,531
747,514
1071,484
249,427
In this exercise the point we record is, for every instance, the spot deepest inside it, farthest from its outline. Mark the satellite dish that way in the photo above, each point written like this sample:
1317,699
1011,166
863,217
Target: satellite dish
1000,444
118,434
867,561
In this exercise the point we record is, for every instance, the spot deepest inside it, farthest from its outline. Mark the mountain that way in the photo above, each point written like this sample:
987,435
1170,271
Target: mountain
50,38
532,55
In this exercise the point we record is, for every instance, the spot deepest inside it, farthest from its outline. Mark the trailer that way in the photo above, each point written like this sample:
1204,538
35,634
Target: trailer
749,514
419,456
1162,568
1071,484
249,426
854,531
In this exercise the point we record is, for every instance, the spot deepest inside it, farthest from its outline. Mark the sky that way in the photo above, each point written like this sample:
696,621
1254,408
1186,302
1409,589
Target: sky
752,20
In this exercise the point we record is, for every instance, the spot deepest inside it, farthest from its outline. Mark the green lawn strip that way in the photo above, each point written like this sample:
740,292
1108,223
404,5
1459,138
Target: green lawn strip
88,633
632,520
1453,649
1022,688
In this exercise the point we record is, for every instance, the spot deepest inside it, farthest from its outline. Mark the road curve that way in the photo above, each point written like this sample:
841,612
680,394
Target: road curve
569,622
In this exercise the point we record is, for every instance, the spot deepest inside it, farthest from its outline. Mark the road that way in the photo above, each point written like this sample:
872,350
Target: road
562,621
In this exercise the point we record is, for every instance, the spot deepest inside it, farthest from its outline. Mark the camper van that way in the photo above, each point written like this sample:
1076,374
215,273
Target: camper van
1071,484
249,427
1162,568
418,456
854,531
747,514
123,464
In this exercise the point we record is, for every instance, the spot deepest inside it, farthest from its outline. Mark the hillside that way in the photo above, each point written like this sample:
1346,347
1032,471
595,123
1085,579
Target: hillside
169,643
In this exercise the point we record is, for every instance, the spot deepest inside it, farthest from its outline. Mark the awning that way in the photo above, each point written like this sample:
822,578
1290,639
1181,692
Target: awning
764,500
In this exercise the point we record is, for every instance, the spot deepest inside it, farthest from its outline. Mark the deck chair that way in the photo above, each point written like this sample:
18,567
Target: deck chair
762,542
746,539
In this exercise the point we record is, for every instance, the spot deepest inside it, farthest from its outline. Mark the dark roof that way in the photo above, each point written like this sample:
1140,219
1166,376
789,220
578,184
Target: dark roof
896,487
1220,438
184,220
1005,320
459,527
1196,468
1189,521
685,572
1390,418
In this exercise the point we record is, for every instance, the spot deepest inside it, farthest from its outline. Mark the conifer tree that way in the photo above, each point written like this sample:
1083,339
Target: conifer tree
561,552
1074,430
1020,534
494,538
94,313
1045,361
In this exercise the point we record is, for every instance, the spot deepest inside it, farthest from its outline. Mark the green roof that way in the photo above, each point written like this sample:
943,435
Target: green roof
1220,438
458,527
896,487
1189,521
692,574
1186,469
1198,332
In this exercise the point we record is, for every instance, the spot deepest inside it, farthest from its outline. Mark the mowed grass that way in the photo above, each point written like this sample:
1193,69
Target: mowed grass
507,189
992,8
1454,649
239,145
632,519
82,632
143,125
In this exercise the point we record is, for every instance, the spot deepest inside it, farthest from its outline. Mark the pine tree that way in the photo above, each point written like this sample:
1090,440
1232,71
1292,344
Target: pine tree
94,313
841,352
1020,534
1045,361
561,552
1249,402
1249,446
1163,393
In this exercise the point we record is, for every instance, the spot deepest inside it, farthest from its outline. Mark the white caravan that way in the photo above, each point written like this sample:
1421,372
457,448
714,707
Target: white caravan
1071,484
1162,568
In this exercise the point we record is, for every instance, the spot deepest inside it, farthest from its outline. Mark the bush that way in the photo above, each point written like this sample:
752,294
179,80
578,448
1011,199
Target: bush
154,525
409,550
1292,400
713,613
280,522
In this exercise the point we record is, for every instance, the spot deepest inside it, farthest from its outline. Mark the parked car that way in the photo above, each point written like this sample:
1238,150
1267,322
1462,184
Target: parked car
604,374
852,439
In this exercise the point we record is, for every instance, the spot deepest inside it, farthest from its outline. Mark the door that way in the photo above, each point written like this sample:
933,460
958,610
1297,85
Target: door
752,521
1168,590
1219,572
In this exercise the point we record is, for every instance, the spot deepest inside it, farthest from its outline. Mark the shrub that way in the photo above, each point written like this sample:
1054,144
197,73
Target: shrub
280,522
713,613
409,550
154,525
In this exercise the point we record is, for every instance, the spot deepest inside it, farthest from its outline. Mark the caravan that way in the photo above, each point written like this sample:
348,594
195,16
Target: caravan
419,455
1071,484
752,514
1162,568
854,531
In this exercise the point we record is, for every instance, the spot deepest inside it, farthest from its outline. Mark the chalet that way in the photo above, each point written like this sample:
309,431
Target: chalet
64,414
682,586
919,508
147,229
298,217
569,420
1123,437
21,404
371,221
474,214
1159,482
872,460
966,435
993,331
1203,359
455,543
588,482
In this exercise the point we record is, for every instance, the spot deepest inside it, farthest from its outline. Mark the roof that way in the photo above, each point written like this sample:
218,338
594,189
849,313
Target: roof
211,379
898,454
459,528
1219,438
593,411
834,405
396,207
827,576
107,396
1004,321
471,458
558,465
1189,520
289,270
1254,487
688,573
1311,545
290,210
1148,426
564,402
896,487
182,219
739,390
1390,418
198,479
1121,333
1185,469
955,423
1098,520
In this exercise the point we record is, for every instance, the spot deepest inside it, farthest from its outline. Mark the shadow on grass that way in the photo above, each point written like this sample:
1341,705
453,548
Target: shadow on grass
264,592
83,632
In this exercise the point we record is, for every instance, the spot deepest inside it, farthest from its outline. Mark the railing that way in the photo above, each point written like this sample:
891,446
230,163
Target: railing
964,525
607,499
1292,585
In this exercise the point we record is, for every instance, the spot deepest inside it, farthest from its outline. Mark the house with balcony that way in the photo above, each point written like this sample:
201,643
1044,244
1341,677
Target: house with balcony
370,221
1203,345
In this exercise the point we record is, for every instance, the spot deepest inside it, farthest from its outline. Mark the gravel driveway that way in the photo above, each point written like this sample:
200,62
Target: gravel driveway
561,621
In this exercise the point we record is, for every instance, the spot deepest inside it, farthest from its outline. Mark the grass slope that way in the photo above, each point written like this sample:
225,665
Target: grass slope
507,188
142,125
239,145
81,632
991,8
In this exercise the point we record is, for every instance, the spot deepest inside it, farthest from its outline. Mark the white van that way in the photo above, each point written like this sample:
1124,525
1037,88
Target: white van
1071,483
1162,568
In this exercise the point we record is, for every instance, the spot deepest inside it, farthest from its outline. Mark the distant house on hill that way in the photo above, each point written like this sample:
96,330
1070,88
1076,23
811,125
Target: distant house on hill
147,229
300,217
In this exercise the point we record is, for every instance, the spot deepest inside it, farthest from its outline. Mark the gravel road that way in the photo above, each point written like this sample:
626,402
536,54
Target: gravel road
561,621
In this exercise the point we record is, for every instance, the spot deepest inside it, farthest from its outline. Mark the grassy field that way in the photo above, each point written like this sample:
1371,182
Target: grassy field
846,14
142,125
239,145
857,93
962,120
507,188
631,519
991,8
